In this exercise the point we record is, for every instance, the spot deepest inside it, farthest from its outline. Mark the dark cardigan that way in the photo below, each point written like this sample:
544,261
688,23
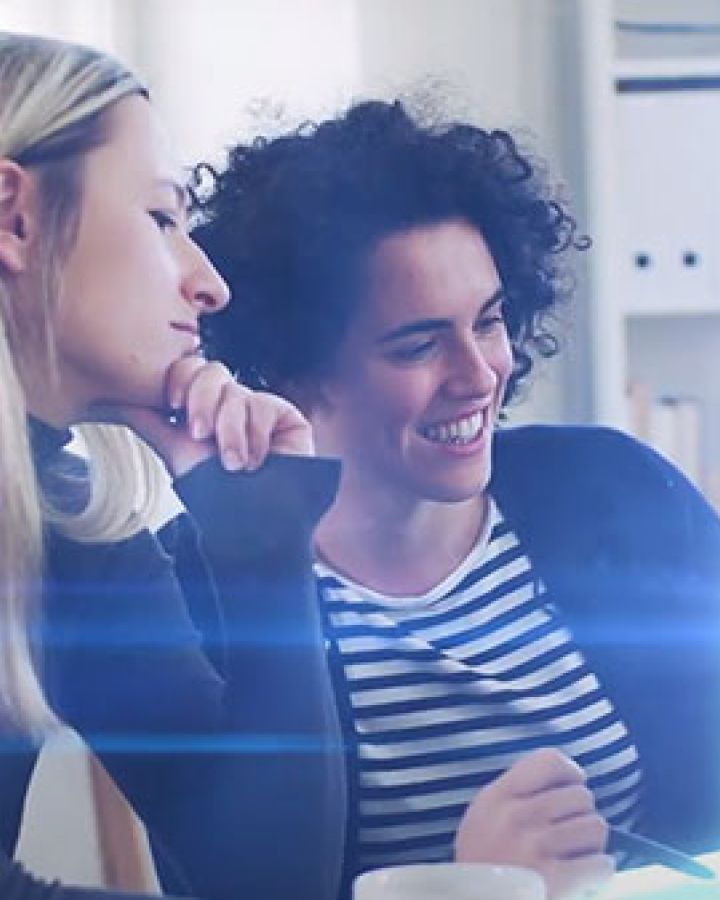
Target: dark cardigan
196,671
630,553
17,884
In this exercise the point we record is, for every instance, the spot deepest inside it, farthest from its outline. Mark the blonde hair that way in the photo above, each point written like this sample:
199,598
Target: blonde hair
53,96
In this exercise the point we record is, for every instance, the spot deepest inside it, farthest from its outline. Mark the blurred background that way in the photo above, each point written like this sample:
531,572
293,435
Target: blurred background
622,97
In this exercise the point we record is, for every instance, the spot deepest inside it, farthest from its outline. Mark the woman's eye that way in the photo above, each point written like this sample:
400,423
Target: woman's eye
488,324
414,352
163,220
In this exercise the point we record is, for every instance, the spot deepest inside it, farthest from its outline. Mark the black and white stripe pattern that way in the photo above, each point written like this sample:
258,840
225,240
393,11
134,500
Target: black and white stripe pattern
450,689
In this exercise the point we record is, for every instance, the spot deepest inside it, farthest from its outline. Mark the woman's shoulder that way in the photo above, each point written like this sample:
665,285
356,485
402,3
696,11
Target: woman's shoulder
584,465
570,438
591,468
582,450
142,555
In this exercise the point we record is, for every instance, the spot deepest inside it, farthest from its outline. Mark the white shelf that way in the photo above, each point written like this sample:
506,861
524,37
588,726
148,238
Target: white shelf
672,312
644,164
667,67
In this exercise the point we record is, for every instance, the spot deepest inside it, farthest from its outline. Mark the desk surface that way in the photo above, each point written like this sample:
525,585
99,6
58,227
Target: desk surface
659,883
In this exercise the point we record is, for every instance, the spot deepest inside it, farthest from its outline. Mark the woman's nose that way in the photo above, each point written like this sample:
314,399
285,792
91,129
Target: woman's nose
203,286
472,373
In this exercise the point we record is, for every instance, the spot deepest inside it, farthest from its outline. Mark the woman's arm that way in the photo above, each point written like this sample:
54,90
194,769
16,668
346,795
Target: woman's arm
255,532
239,779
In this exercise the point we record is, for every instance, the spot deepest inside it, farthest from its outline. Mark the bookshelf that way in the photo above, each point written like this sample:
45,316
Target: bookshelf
639,95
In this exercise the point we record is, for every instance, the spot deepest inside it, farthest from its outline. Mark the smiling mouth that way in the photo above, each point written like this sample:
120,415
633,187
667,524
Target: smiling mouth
460,431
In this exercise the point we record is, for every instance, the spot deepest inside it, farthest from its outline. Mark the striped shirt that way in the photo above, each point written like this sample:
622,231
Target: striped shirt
450,688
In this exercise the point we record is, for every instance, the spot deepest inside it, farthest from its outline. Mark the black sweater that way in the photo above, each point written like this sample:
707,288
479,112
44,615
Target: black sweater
630,553
17,884
193,664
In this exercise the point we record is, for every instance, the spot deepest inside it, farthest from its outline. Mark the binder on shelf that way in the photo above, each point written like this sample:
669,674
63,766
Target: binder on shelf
664,427
686,443
668,144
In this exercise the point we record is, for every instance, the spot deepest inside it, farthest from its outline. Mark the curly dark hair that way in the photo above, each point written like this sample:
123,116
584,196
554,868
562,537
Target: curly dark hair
291,222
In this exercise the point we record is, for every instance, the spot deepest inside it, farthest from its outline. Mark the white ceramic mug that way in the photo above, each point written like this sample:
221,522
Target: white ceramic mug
449,881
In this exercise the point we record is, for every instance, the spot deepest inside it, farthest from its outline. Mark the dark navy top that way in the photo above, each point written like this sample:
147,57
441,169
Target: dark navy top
193,664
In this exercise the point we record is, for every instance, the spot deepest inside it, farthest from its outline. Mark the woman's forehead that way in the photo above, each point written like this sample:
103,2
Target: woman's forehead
138,143
429,267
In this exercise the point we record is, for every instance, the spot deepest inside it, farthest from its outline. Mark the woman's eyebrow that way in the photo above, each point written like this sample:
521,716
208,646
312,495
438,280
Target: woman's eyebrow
496,298
421,326
181,194
424,325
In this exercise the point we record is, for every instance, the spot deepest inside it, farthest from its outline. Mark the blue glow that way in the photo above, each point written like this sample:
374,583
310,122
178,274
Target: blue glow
181,743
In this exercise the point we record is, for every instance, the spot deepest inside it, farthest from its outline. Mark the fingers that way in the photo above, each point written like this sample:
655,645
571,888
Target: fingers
290,431
563,819
540,770
194,385
539,814
558,804
244,425
251,424
578,836
178,379
231,427
206,390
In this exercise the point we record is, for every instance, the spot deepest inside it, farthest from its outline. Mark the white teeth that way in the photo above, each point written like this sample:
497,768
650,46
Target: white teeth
461,431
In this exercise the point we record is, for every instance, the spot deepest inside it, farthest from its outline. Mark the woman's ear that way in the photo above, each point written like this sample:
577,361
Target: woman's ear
17,197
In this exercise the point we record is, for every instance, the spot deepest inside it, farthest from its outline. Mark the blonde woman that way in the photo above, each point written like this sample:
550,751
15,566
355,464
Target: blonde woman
162,651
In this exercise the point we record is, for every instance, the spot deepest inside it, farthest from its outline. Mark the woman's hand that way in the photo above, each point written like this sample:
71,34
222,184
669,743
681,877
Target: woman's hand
539,814
216,415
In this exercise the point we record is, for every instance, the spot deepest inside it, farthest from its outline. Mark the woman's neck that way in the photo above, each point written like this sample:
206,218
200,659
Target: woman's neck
399,546
45,403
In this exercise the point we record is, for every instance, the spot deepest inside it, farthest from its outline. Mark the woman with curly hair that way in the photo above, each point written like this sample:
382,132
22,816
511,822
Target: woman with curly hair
502,604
